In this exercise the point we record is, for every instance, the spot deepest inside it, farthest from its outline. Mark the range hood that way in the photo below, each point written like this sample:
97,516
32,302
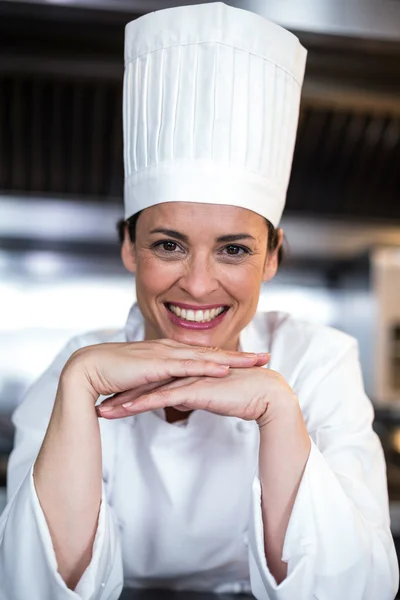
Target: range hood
375,19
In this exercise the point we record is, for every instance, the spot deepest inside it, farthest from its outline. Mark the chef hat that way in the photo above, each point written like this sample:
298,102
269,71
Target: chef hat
210,109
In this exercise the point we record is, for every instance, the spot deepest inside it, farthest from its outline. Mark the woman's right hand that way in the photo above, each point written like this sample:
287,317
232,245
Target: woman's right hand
115,368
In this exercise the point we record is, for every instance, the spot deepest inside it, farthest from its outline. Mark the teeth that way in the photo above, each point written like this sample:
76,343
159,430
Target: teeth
199,316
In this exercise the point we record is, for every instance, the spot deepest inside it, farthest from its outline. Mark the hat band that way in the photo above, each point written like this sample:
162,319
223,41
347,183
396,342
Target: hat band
206,183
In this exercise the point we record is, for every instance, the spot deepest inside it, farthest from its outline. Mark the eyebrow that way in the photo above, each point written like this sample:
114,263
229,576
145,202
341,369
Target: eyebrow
234,237
171,233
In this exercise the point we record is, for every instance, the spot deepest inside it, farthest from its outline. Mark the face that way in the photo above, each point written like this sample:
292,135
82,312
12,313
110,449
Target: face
199,269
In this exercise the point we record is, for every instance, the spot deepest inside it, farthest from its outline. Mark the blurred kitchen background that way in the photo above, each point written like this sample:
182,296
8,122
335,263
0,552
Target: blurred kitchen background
61,181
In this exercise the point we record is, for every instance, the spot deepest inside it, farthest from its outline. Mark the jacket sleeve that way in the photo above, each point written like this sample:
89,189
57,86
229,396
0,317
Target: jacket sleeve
28,566
338,543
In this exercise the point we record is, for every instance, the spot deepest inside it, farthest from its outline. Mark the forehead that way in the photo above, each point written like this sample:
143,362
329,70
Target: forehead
193,216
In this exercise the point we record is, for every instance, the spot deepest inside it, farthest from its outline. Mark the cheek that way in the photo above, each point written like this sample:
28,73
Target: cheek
244,282
153,275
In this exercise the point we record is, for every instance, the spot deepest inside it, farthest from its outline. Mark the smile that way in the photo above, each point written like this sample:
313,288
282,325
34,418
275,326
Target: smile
197,316
190,318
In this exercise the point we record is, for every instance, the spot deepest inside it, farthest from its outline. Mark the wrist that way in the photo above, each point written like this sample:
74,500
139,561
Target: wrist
74,383
283,409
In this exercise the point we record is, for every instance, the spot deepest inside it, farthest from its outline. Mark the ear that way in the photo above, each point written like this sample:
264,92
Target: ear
271,261
128,253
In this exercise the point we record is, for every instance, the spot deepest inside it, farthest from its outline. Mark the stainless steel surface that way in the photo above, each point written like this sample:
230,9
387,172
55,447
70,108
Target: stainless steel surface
58,219
376,19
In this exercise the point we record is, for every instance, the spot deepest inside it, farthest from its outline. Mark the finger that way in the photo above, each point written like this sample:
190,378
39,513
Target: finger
112,412
170,343
177,371
214,354
172,368
105,408
132,394
211,353
217,356
263,359
183,408
119,412
179,383
165,397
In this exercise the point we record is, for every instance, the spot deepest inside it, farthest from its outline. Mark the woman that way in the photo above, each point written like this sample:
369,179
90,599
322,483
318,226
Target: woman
204,471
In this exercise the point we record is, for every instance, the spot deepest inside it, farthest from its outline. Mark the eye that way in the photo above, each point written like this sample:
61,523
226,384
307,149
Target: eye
234,250
167,247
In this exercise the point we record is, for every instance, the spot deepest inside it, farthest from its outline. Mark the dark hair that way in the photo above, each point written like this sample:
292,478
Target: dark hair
273,234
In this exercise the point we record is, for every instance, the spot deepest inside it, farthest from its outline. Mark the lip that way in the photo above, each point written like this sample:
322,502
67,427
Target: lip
193,325
196,307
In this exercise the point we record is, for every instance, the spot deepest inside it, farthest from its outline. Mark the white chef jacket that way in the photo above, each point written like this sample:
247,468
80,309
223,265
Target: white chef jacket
181,505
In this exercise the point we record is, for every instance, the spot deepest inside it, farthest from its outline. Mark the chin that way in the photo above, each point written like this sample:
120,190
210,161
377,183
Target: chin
199,338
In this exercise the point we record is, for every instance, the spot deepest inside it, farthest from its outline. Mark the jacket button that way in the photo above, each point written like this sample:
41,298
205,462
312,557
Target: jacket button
244,426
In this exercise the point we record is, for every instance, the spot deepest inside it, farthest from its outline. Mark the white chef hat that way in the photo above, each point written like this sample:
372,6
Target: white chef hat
210,109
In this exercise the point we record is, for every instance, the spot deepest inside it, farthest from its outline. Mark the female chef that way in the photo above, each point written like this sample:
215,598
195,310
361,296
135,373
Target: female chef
205,470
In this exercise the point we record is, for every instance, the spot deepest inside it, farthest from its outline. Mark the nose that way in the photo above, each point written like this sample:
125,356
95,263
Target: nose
199,280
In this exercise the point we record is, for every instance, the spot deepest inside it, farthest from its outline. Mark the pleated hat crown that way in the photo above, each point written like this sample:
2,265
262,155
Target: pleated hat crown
210,109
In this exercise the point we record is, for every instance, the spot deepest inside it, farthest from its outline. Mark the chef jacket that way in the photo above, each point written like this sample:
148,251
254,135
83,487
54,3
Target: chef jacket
181,503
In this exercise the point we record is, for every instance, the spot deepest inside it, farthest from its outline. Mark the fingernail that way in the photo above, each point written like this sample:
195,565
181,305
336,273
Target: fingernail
127,404
266,354
225,367
106,408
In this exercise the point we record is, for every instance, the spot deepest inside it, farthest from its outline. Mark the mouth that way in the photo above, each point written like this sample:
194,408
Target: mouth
191,318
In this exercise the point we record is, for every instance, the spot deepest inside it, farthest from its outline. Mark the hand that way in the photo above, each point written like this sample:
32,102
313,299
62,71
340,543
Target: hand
248,393
115,368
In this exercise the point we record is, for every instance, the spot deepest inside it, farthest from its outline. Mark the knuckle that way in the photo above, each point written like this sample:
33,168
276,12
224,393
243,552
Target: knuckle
189,363
207,349
209,364
253,409
163,393
202,350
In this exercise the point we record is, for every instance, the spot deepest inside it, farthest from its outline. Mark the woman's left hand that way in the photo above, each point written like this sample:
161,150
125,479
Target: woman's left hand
252,394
